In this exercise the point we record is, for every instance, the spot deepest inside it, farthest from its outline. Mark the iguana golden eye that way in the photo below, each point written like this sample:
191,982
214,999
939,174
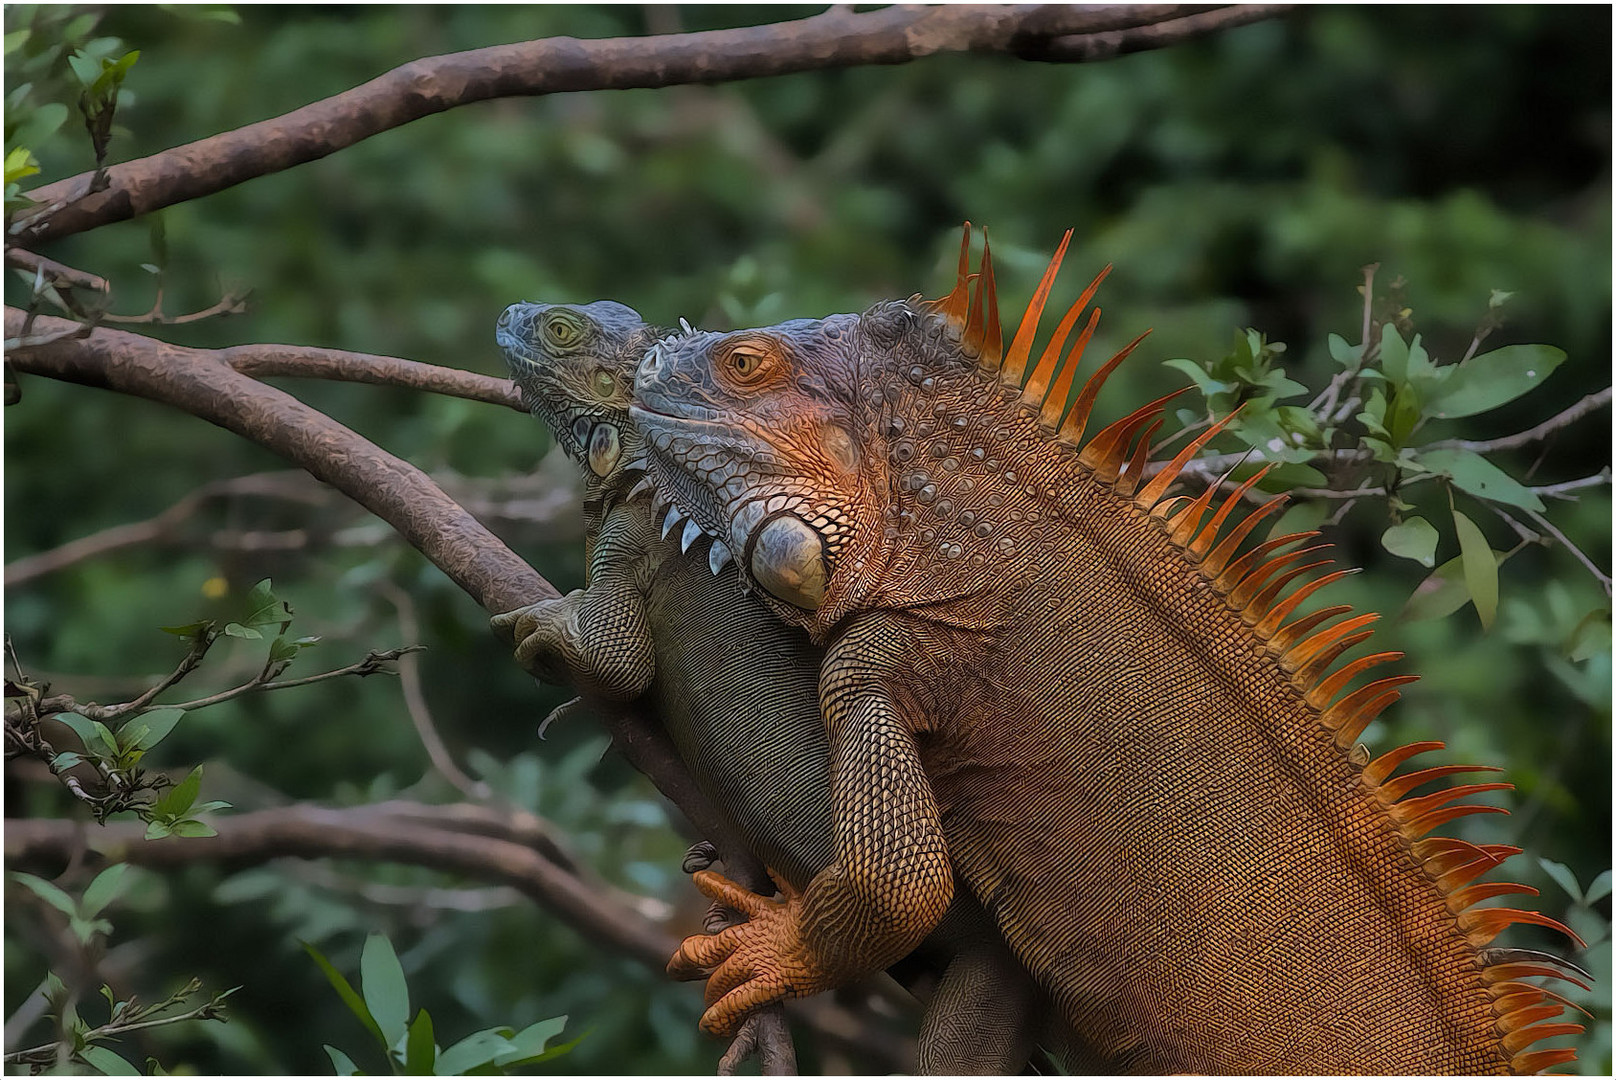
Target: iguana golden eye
604,385
748,361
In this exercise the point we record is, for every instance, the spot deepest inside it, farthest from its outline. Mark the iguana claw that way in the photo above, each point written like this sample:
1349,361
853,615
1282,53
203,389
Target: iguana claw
760,961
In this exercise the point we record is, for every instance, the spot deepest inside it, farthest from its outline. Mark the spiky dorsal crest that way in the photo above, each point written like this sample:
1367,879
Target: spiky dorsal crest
1306,648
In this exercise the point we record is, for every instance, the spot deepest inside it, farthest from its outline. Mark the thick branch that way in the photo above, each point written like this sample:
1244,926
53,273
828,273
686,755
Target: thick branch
394,490
837,38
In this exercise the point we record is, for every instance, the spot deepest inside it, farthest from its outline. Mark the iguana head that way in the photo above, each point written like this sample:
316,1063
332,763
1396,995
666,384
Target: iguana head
760,435
575,365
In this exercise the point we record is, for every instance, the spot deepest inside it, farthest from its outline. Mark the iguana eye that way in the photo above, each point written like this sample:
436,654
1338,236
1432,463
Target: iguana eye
604,385
748,361
562,329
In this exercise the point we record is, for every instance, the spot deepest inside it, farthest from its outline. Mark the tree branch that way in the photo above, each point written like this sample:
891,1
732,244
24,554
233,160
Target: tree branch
199,383
1103,45
266,361
838,38
1530,435
372,833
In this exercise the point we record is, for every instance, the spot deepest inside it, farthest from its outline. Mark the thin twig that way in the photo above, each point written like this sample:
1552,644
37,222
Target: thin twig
1532,434
1548,526
409,677
60,273
230,304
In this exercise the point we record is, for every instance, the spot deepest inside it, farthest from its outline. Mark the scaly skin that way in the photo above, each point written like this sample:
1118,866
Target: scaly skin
736,689
1066,690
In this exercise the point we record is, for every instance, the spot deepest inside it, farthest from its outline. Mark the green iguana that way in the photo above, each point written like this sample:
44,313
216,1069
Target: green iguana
1085,698
665,622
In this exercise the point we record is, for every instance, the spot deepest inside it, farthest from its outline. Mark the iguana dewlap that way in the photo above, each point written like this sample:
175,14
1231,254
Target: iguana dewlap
1136,754
664,621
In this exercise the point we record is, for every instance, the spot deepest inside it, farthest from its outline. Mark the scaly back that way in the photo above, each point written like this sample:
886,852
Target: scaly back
1305,650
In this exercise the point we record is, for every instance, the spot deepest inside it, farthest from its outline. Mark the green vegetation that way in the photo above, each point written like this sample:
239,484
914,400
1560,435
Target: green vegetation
1237,182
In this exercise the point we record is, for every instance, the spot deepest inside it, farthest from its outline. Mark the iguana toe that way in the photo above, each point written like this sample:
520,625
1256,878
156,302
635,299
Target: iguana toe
701,856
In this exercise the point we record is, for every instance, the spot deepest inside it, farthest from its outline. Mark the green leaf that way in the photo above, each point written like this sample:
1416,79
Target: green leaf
156,830
106,1062
86,69
189,630
1414,539
345,991
382,979
82,726
341,1062
64,761
531,1040
1491,379
1598,890
104,736
1563,876
264,608
1480,568
420,1051
159,722
554,1052
237,630
476,1049
178,799
47,892
103,890
1205,382
1348,356
1472,473
282,650
194,828
1393,354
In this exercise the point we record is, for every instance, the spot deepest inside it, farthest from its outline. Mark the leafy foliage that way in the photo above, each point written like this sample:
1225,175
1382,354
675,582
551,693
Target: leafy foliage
407,1045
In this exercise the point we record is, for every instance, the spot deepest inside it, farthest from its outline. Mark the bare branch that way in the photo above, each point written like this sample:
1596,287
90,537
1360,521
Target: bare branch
1530,435
306,831
1103,45
409,675
1593,568
837,38
229,304
58,273
199,383
264,361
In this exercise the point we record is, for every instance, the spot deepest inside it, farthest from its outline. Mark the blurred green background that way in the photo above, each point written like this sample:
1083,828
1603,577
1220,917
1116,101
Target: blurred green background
1241,180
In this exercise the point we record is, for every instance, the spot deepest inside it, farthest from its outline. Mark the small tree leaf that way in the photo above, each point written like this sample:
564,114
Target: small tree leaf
382,980
189,630
47,892
156,830
194,828
1487,381
237,630
476,1049
106,1062
159,722
1598,890
1476,475
1393,354
420,1051
1415,538
1348,356
531,1040
103,890
1480,568
64,761
345,991
341,1062
1563,876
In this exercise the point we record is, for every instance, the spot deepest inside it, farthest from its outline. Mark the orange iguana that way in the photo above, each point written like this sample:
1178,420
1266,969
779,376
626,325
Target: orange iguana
1089,700
664,625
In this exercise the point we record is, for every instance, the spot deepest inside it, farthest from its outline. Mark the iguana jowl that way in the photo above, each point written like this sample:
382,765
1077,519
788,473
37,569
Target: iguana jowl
1090,700
664,621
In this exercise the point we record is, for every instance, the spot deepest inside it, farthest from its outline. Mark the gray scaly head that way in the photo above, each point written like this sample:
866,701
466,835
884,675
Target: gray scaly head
575,365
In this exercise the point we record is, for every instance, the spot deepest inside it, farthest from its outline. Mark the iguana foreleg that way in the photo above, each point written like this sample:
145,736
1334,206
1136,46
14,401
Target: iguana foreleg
891,881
